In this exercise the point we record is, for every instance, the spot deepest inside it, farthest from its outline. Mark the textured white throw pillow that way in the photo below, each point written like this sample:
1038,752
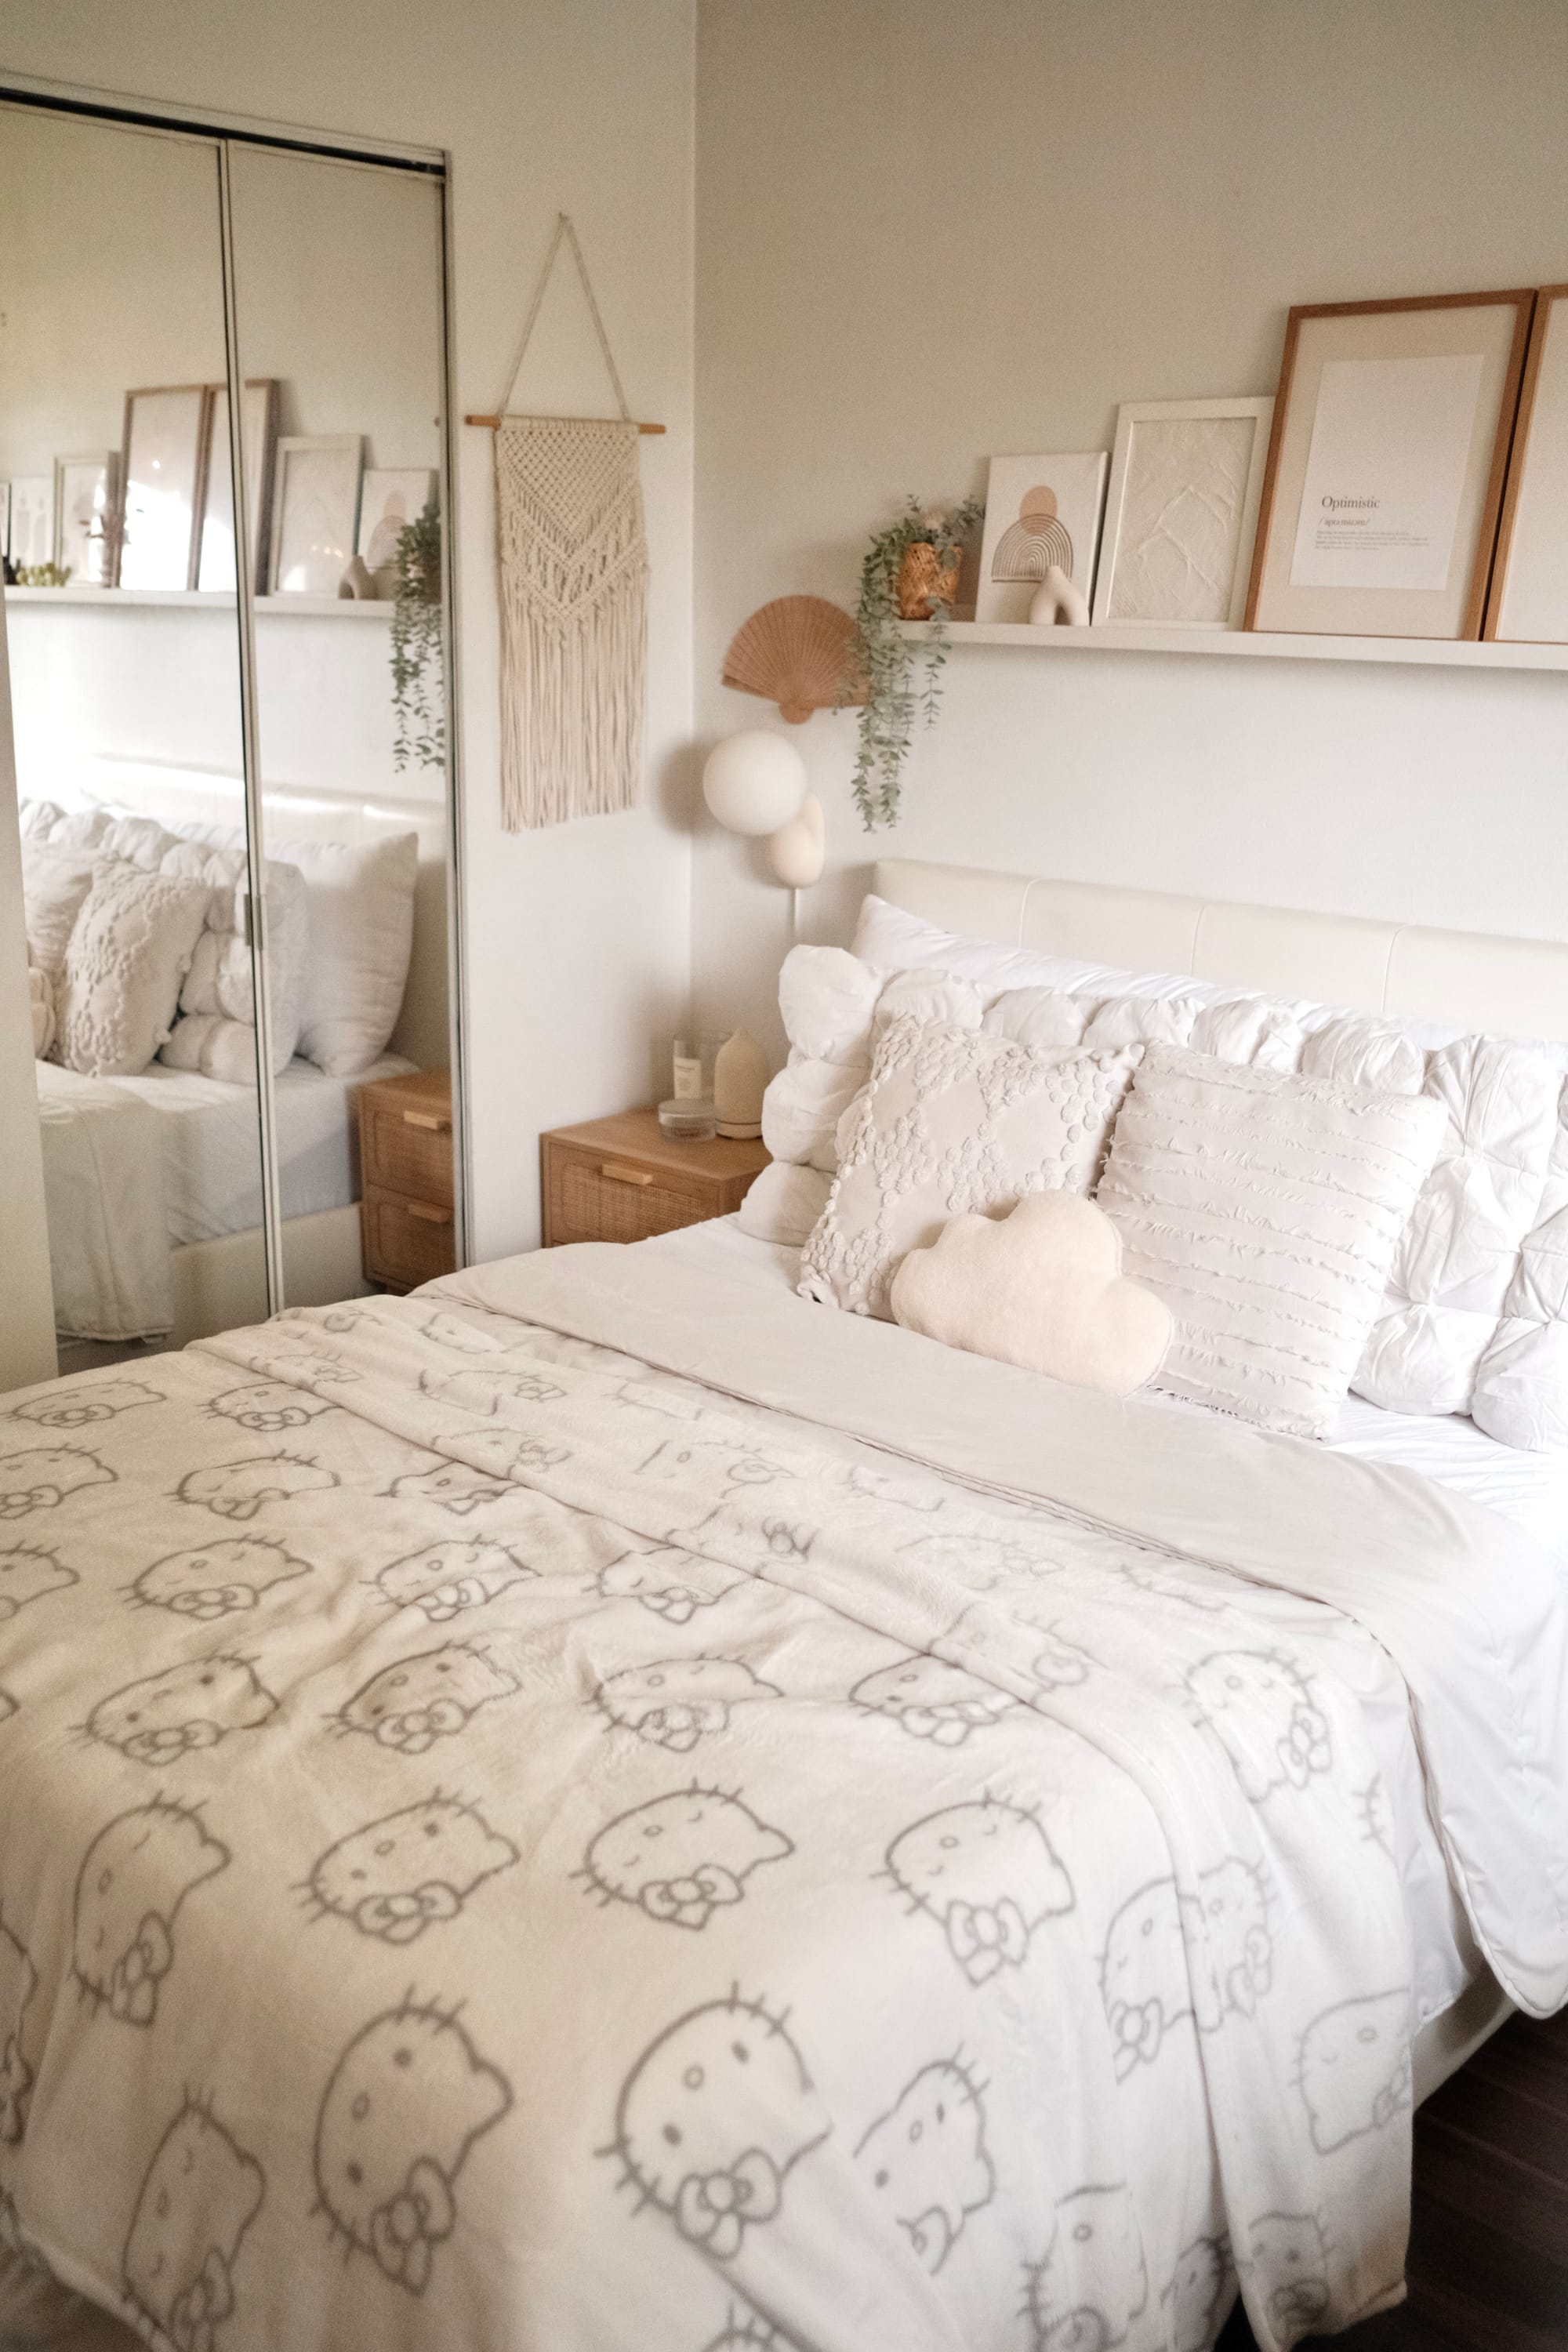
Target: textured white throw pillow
54,883
129,952
1265,1210
216,1031
950,1121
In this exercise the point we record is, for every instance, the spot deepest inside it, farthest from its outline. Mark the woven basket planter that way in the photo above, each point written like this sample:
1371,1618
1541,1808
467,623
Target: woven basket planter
923,575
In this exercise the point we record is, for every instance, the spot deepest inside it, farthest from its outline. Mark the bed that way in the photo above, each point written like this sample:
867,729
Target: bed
601,1804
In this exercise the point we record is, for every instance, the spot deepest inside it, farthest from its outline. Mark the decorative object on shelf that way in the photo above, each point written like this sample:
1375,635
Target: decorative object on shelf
740,1074
86,507
1528,600
315,511
1385,474
1056,599
418,670
797,851
1186,477
258,433
1041,513
391,498
356,581
886,659
42,575
573,595
162,475
799,652
688,1119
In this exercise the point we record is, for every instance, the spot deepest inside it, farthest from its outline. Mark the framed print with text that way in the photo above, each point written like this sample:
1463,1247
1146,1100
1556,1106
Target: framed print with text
1529,602
1386,468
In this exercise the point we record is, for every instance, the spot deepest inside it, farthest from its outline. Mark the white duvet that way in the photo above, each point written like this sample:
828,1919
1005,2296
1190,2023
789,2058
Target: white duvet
505,1843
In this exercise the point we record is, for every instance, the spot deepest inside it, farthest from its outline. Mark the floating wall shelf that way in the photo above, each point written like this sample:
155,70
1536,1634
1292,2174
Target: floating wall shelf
1128,637
207,600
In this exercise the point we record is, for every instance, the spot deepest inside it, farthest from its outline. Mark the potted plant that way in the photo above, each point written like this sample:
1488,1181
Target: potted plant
418,675
910,573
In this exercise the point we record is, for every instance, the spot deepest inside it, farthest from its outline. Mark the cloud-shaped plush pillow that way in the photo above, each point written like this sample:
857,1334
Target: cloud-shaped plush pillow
1042,1287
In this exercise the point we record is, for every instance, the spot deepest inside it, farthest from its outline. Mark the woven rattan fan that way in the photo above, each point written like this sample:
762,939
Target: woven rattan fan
797,651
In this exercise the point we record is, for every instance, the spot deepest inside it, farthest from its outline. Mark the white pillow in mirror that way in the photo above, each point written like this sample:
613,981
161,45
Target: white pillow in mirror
54,883
361,912
129,952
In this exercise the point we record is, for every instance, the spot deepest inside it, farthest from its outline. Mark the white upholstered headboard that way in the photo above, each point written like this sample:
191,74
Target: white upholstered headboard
1473,979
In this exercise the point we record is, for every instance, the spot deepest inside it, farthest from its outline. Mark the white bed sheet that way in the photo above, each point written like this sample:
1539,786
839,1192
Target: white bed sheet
210,1148
1530,1489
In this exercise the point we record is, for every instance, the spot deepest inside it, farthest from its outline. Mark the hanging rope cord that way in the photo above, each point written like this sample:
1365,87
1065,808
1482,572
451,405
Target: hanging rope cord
573,596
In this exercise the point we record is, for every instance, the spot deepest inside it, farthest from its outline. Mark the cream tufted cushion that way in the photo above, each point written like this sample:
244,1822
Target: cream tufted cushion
952,1120
129,952
1265,1210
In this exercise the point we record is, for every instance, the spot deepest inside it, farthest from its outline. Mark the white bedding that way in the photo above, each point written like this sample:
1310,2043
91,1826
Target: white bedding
114,1146
1530,1489
1031,1935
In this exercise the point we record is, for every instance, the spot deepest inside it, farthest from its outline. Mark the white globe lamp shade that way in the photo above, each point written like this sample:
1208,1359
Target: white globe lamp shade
753,783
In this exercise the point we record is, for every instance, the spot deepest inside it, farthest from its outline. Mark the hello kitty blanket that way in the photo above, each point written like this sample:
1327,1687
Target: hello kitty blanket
505,1844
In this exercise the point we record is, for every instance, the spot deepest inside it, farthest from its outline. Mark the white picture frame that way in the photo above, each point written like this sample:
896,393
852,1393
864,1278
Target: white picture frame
1039,512
1186,481
86,510
1528,600
315,512
390,498
30,526
162,474
5,519
259,412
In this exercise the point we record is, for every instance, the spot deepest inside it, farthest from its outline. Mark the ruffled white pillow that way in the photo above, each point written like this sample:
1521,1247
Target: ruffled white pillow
130,950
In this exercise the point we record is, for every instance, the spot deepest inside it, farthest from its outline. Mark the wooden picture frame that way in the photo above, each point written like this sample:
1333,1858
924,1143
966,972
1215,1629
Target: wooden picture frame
1189,568
1385,477
1528,604
315,512
215,557
167,430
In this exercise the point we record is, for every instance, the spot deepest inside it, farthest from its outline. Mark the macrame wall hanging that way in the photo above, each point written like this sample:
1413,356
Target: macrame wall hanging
573,595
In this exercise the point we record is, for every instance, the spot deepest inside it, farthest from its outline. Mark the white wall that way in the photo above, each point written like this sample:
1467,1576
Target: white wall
927,233
578,940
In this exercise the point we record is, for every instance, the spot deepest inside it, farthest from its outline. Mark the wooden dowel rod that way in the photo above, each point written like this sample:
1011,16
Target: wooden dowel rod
492,423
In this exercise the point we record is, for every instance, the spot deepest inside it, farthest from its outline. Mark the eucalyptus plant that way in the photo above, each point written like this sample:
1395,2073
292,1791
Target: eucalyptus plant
418,678
884,661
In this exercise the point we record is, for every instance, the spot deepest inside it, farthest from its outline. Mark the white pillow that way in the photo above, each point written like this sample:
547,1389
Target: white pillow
128,954
1265,1210
41,1005
950,1121
217,1033
888,936
54,883
361,906
783,1204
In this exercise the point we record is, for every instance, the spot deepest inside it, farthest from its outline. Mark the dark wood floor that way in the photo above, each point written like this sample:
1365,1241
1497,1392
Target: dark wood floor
1489,2237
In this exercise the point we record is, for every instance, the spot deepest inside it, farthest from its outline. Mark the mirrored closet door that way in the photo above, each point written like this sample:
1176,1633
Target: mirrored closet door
222,435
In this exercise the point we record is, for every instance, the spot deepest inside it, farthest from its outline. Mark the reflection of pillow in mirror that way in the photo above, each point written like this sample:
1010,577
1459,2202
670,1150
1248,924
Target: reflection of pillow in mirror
54,883
361,905
41,1003
218,989
130,949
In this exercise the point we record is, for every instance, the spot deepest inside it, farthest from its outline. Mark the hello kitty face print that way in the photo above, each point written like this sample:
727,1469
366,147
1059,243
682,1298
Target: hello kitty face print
18,1983
1168,1957
200,2196
1259,1704
681,1858
217,1580
453,1486
405,2104
675,1702
167,1717
413,1703
266,1407
134,1877
77,1407
932,1700
1092,2285
1290,2249
41,1477
1194,2303
486,1391
27,1572
1354,2069
927,2161
411,1869
668,1582
446,1579
239,1490
988,1875
711,2119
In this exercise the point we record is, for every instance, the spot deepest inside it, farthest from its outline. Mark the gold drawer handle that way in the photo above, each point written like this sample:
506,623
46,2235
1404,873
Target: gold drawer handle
428,1212
434,1120
619,1175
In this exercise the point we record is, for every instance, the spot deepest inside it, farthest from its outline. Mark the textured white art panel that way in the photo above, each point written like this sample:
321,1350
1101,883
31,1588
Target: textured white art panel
1182,515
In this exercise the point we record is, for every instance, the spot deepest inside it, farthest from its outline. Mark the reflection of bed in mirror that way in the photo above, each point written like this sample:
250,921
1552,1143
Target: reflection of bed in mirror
187,1138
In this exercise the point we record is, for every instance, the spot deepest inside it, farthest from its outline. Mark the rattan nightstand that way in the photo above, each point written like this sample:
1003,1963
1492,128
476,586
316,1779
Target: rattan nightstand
407,1218
620,1180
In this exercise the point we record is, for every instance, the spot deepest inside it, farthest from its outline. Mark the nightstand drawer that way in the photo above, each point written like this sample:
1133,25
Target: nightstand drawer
407,1241
407,1146
596,1197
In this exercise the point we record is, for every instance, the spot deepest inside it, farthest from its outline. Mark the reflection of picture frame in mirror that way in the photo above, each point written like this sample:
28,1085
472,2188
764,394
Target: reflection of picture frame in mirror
1529,599
4,518
1385,469
86,509
315,511
392,497
30,528
162,474
259,420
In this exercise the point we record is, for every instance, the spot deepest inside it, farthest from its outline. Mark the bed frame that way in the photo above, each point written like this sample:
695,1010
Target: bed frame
1471,979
